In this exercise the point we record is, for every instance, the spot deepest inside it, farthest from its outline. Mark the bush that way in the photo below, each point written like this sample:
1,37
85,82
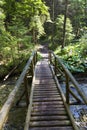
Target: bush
73,57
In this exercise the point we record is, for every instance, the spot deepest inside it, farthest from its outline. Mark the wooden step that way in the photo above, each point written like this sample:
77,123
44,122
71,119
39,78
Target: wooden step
48,113
49,123
49,118
52,128
40,88
47,109
48,106
48,103
46,99
46,96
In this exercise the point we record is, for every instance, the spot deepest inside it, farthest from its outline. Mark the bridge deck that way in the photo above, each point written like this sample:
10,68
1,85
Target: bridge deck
47,111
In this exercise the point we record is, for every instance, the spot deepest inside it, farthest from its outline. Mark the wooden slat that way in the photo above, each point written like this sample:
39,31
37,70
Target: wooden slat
50,123
52,128
46,95
48,113
47,99
48,107
48,118
48,103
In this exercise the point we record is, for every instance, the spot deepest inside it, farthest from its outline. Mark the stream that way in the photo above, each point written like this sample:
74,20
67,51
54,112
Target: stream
79,111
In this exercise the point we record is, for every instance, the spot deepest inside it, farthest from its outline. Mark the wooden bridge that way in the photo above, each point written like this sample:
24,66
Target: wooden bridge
48,108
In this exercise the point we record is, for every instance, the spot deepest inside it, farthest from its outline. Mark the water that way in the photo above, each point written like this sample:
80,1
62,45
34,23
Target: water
79,111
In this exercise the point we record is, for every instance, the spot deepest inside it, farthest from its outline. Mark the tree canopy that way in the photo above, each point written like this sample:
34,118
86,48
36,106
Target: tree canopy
24,23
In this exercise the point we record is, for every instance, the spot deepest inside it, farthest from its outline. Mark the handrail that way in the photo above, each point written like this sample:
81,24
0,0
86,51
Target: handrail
68,76
8,104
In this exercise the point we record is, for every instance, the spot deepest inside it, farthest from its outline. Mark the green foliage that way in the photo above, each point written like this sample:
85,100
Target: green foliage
83,43
59,30
78,16
37,24
73,58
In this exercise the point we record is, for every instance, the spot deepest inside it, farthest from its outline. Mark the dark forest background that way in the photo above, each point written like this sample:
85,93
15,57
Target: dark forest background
24,24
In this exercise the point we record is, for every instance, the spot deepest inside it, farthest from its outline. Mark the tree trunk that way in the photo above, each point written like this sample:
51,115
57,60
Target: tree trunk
64,25
53,21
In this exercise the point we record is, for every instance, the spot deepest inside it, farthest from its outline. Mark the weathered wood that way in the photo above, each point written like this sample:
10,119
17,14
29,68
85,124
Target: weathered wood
8,104
64,101
18,101
55,65
75,96
72,79
48,118
45,89
46,99
48,113
45,96
29,107
47,108
67,88
51,123
26,89
52,128
48,103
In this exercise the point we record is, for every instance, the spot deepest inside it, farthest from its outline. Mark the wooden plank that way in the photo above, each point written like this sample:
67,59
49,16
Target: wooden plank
48,113
45,89
48,103
47,85
46,92
47,99
51,110
37,82
10,100
52,128
49,118
50,106
52,95
50,123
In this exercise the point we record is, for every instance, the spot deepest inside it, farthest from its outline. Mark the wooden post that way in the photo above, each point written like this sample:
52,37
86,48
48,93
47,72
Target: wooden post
26,90
75,96
32,67
50,57
34,60
55,65
36,57
67,88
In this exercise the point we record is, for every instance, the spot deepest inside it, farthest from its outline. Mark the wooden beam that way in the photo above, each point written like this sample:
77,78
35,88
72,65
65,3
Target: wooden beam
64,101
10,100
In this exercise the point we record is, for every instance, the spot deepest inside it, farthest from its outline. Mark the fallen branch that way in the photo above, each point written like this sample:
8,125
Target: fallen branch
9,74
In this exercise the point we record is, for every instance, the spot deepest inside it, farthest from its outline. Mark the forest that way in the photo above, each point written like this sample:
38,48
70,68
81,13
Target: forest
61,24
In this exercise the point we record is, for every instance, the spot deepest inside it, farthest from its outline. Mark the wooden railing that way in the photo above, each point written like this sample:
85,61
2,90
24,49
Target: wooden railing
57,66
23,78
55,61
